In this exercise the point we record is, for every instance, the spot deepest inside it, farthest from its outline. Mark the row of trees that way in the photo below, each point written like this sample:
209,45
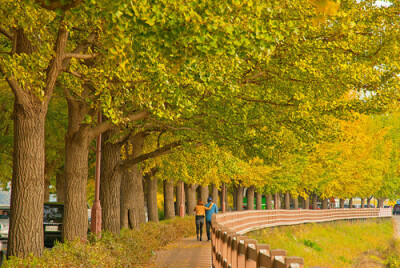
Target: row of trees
255,85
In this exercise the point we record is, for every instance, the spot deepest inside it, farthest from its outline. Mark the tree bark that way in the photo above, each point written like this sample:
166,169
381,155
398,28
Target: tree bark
369,202
227,206
296,202
190,191
60,187
287,201
381,200
307,203
314,202
268,201
250,198
132,196
351,203
27,192
204,193
214,195
341,203
152,209
362,202
258,201
325,203
179,199
75,220
46,189
239,198
27,195
110,181
169,210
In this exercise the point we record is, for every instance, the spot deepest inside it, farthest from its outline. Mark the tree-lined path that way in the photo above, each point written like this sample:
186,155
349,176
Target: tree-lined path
187,252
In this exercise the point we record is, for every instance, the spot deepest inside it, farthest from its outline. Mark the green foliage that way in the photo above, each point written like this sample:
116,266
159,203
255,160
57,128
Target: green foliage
130,248
312,245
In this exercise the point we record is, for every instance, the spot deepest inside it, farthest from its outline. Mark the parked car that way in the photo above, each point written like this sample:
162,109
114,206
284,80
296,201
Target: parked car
396,209
4,226
52,223
4,222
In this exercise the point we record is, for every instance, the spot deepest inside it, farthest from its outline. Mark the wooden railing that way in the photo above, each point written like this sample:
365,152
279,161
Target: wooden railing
230,248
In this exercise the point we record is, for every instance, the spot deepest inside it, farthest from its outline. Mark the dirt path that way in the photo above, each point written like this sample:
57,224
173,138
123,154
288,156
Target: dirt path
187,252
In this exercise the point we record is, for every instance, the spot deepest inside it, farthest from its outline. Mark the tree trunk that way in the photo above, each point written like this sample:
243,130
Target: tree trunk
314,202
276,201
60,187
191,198
287,201
132,199
27,195
179,199
27,192
341,203
204,193
362,202
169,210
296,202
110,181
46,189
152,209
250,198
381,200
227,206
75,221
268,201
239,198
351,203
214,195
325,203
369,202
132,196
307,203
258,201
234,198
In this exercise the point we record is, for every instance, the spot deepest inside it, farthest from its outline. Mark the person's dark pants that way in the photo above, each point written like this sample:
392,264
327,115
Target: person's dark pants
208,227
199,225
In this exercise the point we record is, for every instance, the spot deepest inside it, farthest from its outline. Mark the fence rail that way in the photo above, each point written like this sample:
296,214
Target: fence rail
230,248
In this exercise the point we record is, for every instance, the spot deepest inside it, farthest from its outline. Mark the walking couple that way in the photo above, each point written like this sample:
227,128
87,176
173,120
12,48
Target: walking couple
204,211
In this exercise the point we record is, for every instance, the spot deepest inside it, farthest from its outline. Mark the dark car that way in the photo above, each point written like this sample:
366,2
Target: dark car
396,209
52,223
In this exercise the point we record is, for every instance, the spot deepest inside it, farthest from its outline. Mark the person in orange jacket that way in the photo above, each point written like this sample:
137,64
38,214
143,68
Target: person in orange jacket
200,214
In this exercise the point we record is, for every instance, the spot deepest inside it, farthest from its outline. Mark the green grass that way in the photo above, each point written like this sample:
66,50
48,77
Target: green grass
132,248
337,244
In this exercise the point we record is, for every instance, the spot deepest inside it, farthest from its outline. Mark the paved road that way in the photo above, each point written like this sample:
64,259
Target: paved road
396,221
187,252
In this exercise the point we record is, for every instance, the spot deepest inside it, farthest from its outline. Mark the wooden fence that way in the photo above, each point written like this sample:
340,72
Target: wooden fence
230,248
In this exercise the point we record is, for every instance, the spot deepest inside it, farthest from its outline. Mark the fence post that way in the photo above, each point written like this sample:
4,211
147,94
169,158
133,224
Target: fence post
294,262
263,251
251,253
235,250
276,254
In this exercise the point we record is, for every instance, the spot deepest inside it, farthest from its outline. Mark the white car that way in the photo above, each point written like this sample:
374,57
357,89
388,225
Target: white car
4,221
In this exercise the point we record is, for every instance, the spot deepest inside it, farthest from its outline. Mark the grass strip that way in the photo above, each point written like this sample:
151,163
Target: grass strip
362,243
131,248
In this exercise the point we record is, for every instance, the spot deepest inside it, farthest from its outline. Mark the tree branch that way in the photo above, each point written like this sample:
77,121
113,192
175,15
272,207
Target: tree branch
6,33
156,153
103,127
53,5
15,87
267,102
80,56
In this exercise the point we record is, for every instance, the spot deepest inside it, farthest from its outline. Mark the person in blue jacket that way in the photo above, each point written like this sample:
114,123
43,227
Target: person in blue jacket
209,213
